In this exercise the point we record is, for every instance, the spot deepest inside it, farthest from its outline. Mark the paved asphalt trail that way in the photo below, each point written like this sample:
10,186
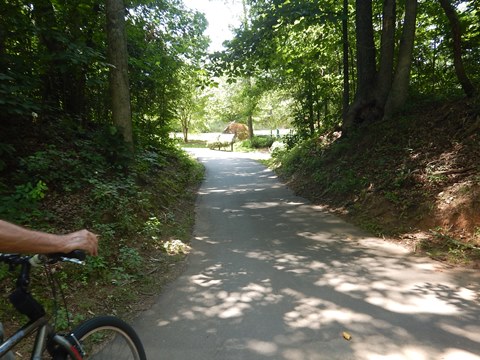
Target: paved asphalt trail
273,277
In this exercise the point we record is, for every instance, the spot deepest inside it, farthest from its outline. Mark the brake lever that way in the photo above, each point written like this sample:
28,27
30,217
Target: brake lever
41,259
72,260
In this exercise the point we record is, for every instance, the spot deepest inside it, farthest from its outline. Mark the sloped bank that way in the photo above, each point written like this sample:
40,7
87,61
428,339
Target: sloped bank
415,180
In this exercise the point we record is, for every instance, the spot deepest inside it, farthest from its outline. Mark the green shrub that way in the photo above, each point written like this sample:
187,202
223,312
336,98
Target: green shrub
153,227
23,204
131,259
304,157
259,142
65,169
5,151
14,94
347,181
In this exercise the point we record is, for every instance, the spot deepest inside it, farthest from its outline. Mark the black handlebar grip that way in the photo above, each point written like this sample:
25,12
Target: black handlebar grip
77,254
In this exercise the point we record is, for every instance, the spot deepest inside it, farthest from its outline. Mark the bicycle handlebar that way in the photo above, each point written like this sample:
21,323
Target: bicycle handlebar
76,256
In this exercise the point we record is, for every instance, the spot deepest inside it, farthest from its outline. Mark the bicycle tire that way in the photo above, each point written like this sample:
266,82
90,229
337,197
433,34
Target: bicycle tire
107,337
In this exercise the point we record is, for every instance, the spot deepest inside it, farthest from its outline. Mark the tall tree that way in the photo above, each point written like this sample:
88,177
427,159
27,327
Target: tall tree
399,91
52,81
377,97
387,50
346,62
190,104
456,29
250,102
364,107
118,58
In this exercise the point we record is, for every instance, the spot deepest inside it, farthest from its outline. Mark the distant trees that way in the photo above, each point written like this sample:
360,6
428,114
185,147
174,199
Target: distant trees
355,62
191,105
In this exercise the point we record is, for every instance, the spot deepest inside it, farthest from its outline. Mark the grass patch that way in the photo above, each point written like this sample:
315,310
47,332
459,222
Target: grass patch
202,144
443,247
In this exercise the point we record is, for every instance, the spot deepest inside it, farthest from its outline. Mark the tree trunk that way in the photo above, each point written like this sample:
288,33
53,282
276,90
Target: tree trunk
185,120
385,73
118,58
3,36
346,73
366,59
364,107
63,83
452,16
311,111
250,126
52,84
399,91
250,107
75,78
74,93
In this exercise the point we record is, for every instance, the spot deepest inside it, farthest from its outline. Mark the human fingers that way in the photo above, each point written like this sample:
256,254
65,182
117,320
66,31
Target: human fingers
83,240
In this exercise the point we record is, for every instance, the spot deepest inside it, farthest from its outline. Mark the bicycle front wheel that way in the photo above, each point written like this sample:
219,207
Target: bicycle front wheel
108,337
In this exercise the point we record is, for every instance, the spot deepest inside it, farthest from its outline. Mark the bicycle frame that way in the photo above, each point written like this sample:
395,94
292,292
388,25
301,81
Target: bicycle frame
46,339
44,331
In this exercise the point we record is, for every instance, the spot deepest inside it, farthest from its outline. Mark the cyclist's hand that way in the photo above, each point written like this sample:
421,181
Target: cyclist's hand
82,240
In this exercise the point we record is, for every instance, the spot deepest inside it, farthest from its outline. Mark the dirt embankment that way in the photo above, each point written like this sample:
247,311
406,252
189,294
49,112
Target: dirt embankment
416,180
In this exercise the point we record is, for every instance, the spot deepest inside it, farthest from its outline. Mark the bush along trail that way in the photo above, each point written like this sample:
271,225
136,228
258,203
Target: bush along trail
141,204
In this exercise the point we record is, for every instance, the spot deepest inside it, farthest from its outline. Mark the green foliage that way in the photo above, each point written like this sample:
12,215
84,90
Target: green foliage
166,47
63,166
289,47
5,273
135,207
295,138
130,259
433,73
54,65
97,266
295,46
15,99
64,319
6,150
23,204
442,246
393,197
153,227
56,166
258,142
347,181
303,157
71,166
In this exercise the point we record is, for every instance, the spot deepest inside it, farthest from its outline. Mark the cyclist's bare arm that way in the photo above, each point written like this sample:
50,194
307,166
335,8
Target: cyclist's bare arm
16,239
